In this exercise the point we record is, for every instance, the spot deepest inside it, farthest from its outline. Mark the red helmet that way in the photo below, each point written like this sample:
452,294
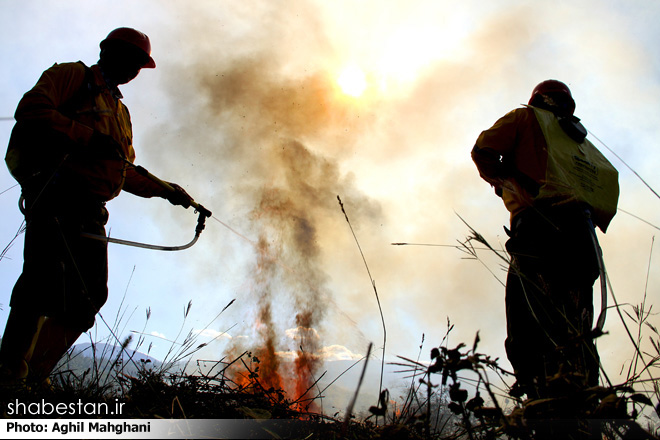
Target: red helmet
553,87
134,37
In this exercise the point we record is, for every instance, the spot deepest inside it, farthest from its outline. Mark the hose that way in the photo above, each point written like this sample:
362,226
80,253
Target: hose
203,214
140,245
198,231
600,323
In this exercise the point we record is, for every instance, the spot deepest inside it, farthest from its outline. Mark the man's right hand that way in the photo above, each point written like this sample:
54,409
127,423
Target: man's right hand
179,196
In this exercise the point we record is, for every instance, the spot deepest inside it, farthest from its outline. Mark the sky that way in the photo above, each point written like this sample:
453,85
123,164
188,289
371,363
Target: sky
246,111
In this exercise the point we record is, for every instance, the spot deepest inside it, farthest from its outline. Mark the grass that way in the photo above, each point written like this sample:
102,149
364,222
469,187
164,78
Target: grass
452,393
450,397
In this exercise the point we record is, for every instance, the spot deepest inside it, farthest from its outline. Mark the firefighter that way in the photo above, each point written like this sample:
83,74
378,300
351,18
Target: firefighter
71,150
556,186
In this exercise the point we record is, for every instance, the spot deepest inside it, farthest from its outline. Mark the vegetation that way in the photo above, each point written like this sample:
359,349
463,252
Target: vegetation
451,397
452,394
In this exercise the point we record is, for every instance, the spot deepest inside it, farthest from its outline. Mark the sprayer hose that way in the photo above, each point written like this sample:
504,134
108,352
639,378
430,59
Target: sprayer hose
603,279
141,245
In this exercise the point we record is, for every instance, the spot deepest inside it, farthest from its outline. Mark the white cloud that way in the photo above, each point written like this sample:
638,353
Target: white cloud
328,354
212,334
158,334
339,353
301,332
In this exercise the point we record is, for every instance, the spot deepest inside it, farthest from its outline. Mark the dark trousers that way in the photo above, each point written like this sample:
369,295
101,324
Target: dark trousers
549,299
64,275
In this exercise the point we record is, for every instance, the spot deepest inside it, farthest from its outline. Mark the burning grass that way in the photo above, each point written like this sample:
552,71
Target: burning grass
221,392
450,397
452,393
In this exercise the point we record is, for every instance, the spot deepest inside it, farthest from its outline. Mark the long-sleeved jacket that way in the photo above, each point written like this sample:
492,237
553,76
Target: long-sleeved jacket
72,102
532,162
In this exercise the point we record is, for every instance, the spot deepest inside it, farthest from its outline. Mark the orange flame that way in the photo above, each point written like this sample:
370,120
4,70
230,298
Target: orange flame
287,270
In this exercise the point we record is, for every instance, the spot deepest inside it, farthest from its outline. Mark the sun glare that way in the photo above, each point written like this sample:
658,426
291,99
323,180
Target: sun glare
352,81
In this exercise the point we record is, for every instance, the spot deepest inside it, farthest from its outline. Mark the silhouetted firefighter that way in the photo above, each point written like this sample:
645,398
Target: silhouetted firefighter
71,150
556,185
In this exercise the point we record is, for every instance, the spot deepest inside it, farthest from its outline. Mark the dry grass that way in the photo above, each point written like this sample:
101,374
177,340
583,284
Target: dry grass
451,394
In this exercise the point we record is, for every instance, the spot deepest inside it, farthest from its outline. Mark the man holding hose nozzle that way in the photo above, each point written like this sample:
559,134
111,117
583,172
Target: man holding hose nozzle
71,150
557,186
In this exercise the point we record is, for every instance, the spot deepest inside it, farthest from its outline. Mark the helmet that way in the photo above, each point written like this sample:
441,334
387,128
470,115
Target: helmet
552,87
134,37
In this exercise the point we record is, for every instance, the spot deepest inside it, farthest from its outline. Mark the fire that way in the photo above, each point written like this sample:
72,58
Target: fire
307,361
287,284
266,114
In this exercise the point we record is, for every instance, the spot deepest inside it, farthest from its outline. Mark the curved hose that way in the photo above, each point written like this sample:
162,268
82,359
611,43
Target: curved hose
140,245
603,276
203,213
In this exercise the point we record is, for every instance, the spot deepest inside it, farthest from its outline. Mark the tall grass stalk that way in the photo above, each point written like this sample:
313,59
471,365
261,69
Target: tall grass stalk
373,284
351,405
21,229
641,316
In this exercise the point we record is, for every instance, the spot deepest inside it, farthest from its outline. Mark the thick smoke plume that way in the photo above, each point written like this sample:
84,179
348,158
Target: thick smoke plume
271,125
271,140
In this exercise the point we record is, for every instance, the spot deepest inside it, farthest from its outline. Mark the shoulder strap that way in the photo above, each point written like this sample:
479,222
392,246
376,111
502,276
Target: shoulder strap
87,88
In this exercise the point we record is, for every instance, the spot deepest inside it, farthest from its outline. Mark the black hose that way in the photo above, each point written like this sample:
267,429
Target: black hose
600,323
198,231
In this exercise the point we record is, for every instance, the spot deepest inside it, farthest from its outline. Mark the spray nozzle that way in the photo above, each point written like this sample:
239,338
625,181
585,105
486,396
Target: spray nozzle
203,214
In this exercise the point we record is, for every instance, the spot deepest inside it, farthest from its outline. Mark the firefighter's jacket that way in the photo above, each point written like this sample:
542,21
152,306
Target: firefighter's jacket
55,122
532,162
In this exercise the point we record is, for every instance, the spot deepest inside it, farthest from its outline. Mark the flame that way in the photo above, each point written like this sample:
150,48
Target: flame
287,283
291,191
307,361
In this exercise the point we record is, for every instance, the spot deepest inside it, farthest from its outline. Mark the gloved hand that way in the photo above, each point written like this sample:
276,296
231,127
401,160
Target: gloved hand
103,146
179,196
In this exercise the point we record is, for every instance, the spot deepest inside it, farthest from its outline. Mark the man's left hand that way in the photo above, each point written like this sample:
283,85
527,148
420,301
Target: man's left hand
179,196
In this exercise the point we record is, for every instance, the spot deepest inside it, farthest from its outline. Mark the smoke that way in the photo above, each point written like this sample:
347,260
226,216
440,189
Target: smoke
272,139
292,217
248,119
280,141
273,142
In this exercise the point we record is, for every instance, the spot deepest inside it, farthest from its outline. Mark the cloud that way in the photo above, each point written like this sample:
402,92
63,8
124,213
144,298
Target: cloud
158,334
300,332
327,354
212,334
339,353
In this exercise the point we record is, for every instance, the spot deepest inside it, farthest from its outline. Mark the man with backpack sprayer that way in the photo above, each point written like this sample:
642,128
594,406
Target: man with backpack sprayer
556,185
71,150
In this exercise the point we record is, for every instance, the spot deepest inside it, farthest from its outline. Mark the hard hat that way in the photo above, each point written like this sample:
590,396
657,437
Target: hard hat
134,37
553,87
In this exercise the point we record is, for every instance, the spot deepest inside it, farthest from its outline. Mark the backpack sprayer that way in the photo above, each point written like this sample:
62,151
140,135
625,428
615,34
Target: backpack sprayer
203,215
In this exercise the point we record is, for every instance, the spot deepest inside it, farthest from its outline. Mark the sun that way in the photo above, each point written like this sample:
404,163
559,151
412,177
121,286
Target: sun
352,81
